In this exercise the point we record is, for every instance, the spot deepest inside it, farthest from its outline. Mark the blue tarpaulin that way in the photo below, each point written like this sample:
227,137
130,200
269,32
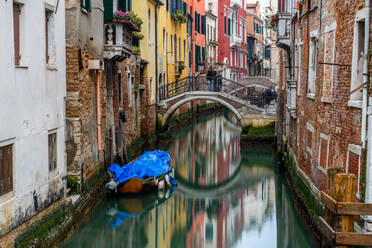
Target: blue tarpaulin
150,164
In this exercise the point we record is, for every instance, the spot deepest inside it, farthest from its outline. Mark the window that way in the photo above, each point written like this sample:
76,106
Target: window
52,151
312,65
309,137
125,5
85,4
164,43
175,49
184,50
6,169
119,88
357,59
171,40
203,24
240,26
224,21
17,33
149,26
353,162
129,85
179,48
229,27
329,56
166,47
241,59
299,69
49,37
323,153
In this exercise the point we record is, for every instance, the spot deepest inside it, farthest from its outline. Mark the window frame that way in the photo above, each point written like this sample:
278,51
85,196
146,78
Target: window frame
327,139
6,196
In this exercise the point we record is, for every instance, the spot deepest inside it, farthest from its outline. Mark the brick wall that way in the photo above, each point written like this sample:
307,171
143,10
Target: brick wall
328,112
81,113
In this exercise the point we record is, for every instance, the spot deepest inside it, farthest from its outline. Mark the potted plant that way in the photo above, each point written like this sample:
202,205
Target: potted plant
129,18
179,16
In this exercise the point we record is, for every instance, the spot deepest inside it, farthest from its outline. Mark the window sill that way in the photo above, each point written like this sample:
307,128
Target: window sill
311,96
21,66
84,10
322,169
52,67
355,104
326,99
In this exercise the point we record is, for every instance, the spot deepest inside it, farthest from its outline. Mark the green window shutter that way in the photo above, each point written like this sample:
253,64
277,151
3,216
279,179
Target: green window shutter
129,5
229,27
122,5
85,4
203,23
203,54
224,25
108,6
196,22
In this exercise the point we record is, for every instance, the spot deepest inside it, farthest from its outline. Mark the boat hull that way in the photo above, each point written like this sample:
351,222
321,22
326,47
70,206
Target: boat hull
135,186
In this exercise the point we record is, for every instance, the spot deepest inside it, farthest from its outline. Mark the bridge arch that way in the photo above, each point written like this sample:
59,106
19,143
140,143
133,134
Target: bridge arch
178,104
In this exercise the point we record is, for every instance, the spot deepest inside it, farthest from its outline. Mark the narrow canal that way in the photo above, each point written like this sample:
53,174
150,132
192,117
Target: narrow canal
227,196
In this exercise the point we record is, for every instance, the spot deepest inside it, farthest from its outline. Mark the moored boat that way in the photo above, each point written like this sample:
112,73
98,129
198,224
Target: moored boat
149,172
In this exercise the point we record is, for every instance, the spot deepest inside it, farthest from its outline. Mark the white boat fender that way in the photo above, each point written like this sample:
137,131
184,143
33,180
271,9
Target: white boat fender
112,186
167,194
161,184
167,180
161,194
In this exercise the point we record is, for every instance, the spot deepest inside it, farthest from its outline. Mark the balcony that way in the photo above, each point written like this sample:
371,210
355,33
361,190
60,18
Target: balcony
291,97
283,30
235,40
236,4
118,41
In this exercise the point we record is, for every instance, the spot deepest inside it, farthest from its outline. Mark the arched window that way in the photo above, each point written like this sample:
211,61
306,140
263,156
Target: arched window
149,27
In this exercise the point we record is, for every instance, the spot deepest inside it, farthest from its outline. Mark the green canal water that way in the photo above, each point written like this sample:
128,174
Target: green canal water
227,196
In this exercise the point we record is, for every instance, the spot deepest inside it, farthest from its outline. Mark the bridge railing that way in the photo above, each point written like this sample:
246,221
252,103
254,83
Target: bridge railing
216,84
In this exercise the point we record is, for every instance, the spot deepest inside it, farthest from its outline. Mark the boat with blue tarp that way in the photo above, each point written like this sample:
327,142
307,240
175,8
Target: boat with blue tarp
152,170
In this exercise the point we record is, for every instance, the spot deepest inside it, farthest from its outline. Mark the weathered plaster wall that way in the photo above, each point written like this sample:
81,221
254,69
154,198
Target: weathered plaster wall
31,104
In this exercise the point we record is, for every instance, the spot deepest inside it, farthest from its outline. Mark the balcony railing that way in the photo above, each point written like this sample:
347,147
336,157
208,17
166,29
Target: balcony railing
235,40
236,4
283,24
118,40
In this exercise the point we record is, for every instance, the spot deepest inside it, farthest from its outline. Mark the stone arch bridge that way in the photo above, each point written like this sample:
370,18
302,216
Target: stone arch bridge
237,97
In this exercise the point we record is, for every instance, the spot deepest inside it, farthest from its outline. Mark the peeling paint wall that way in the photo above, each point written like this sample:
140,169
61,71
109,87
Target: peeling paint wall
31,105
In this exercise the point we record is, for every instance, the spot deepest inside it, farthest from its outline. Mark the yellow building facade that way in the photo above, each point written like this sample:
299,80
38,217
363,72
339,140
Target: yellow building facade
171,41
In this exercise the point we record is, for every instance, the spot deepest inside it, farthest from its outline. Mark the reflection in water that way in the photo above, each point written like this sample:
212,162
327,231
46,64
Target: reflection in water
208,153
251,209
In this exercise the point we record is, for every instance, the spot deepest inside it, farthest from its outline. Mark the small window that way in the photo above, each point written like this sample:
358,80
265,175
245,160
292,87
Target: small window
149,26
312,67
17,33
129,85
52,152
357,61
323,152
6,169
49,37
353,163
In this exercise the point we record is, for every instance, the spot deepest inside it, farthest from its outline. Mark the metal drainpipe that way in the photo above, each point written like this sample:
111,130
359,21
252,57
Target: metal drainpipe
365,74
156,67
368,190
98,101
